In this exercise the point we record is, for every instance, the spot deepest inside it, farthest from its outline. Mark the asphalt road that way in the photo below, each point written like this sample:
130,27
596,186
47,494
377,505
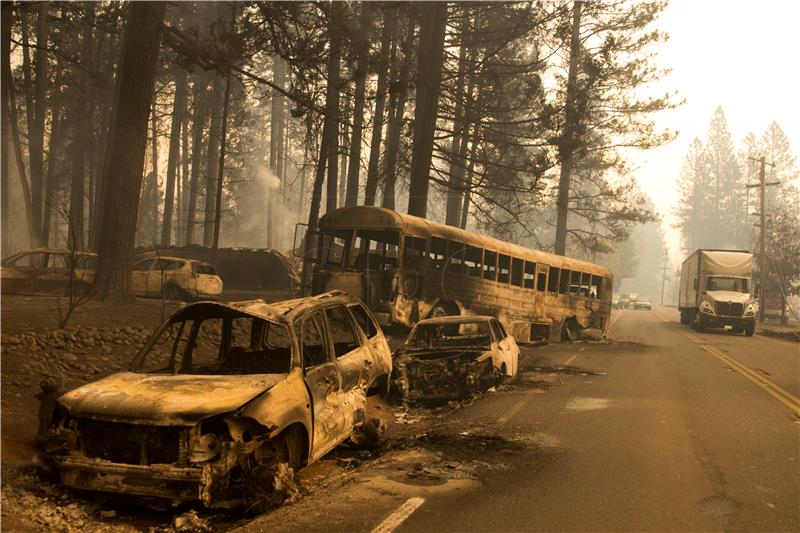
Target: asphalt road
663,429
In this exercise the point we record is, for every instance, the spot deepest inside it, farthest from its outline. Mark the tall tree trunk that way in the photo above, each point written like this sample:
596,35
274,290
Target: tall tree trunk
183,197
344,147
221,168
126,148
397,110
200,100
178,112
80,141
332,108
5,138
213,161
429,77
470,172
100,139
27,70
456,181
566,144
277,123
354,163
153,188
11,113
387,44
36,131
54,144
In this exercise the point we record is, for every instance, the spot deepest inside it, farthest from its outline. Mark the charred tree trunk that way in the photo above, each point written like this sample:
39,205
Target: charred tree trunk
456,181
211,166
36,130
332,110
81,141
5,137
178,112
221,168
397,110
566,144
429,77
470,172
387,43
54,146
153,187
126,148
277,126
182,198
344,147
200,99
354,164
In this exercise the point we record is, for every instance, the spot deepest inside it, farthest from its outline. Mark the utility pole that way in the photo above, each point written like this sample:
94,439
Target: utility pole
664,275
762,184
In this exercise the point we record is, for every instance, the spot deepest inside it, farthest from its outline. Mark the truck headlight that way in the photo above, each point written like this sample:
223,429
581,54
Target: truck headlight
750,311
707,308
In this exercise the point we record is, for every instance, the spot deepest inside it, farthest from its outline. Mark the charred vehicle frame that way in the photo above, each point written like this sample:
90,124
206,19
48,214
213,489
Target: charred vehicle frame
454,357
223,399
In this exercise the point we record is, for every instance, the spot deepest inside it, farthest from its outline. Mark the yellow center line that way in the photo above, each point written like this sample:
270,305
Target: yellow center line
786,398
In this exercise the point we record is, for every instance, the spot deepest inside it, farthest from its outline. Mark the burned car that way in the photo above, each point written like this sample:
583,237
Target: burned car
221,399
175,278
453,357
48,269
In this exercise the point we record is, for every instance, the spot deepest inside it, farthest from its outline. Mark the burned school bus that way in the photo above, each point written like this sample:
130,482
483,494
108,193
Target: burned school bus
408,268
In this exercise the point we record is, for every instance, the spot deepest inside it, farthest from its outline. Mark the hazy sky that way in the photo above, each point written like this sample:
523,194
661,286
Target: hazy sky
742,55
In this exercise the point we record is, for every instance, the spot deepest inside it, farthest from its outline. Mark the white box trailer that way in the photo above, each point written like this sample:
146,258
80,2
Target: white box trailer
715,290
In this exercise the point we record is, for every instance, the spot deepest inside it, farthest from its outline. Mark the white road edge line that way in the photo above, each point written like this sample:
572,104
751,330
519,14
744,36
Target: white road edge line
511,412
399,515
570,360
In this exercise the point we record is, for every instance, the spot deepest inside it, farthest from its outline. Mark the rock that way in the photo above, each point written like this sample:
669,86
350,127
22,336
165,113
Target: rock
189,521
10,339
108,514
68,357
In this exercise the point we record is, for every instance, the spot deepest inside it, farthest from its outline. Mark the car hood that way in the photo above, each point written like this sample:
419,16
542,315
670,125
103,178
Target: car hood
164,400
729,296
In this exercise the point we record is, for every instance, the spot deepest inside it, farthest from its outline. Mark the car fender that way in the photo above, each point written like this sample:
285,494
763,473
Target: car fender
284,404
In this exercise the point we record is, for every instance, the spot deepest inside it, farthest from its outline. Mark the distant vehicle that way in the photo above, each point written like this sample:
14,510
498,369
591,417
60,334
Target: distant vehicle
176,278
220,399
715,290
642,303
408,269
615,301
452,357
47,269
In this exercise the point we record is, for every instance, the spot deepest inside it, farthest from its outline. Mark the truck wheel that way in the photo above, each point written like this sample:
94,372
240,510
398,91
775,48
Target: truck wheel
749,330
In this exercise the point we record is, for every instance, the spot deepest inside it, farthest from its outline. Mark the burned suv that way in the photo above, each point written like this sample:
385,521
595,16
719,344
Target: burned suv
222,398
452,357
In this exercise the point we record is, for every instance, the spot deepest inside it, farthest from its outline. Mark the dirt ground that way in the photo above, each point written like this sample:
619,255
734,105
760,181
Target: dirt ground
101,339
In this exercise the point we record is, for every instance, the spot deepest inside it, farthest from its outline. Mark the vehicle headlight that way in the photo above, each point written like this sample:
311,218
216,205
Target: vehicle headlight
706,307
203,448
750,311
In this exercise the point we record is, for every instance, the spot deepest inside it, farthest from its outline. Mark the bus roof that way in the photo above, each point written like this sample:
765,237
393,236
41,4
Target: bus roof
380,218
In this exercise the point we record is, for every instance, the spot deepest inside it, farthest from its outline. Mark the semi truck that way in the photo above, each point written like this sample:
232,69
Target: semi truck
715,291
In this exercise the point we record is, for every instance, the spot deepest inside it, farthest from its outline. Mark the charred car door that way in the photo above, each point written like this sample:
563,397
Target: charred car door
324,382
353,359
506,346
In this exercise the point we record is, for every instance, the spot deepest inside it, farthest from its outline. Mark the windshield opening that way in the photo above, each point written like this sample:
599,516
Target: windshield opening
217,341
472,334
721,283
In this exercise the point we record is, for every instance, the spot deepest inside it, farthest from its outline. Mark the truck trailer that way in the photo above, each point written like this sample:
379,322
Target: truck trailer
715,291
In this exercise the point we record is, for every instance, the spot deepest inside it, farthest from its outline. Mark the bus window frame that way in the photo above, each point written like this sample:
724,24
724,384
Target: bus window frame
500,269
575,284
542,271
458,253
478,266
490,270
563,281
552,279
517,265
531,273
